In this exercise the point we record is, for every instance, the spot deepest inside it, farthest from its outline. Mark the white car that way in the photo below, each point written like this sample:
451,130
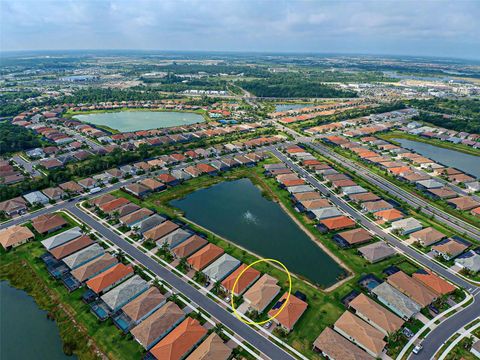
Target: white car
417,349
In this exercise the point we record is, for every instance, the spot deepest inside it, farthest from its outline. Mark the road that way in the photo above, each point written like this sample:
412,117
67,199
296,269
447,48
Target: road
27,166
443,332
222,315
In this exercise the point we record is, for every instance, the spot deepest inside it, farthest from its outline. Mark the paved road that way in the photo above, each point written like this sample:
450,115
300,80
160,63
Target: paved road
226,318
440,334
27,166
414,201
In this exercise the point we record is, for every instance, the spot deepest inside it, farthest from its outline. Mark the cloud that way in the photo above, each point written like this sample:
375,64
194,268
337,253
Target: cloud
409,27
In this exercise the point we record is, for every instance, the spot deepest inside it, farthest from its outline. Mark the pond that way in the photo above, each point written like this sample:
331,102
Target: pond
126,121
465,162
26,333
286,107
237,211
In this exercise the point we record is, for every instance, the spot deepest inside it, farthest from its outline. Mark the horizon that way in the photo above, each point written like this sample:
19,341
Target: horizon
438,29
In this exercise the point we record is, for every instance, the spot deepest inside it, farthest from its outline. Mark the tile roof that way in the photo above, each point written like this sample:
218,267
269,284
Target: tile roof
157,324
160,231
376,251
94,267
434,282
363,333
336,347
376,313
109,277
71,247
144,304
290,314
355,236
179,341
83,256
48,222
412,288
339,222
15,235
204,256
125,292
427,236
136,216
189,246
248,278
212,348
113,205
262,292
61,238
221,267
102,199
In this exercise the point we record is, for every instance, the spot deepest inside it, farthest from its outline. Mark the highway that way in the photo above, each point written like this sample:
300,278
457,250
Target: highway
222,315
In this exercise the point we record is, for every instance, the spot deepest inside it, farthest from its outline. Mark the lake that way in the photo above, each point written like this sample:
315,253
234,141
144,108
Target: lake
26,333
464,162
286,107
237,211
126,121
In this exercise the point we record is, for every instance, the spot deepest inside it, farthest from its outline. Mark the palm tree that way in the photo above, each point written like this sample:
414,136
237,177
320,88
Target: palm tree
217,287
84,228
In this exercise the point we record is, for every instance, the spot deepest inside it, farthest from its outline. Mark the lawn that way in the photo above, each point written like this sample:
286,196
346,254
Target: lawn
81,333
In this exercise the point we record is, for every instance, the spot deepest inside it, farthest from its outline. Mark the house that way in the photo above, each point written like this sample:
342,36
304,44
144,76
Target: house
206,169
362,197
375,206
193,171
464,203
299,189
450,248
334,346
360,333
352,237
335,223
388,215
262,293
15,236
475,350
102,199
442,193
109,278
153,185
377,251
168,179
406,226
221,267
160,231
174,238
375,314
351,190
290,313
212,348
157,325
36,197
87,183
148,223
54,193
95,267
469,261
412,288
428,184
144,305
180,341
249,276
71,247
124,293
83,256
313,204
434,282
135,217
189,246
13,206
48,223
326,212
427,236
112,206
126,209
396,301
137,189
62,238
204,257
71,187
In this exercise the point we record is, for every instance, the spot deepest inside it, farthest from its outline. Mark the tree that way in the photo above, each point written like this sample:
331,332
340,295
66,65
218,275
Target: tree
217,287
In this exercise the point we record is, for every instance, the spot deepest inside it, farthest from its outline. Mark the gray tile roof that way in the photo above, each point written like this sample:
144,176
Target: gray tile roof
221,267
83,256
327,212
61,238
150,223
174,238
125,292
396,301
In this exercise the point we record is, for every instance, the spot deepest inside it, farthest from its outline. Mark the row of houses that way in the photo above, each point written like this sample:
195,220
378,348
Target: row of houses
452,136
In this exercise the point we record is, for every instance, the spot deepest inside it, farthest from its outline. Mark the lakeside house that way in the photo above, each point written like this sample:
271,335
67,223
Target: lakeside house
247,279
334,346
262,293
15,236
396,301
124,293
204,257
109,278
221,267
71,247
291,312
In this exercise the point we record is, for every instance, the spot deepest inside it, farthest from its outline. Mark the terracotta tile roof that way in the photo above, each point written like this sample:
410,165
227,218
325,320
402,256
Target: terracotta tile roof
206,168
47,222
94,267
412,288
15,235
464,203
367,308
316,203
144,304
450,247
179,341
427,236
389,215
113,205
355,236
152,184
102,199
157,324
212,348
71,186
339,222
335,346
434,282
161,230
204,256
363,333
167,178
248,277
71,247
290,313
109,277
262,292
189,246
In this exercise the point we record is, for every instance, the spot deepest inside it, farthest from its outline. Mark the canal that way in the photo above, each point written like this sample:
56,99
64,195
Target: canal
125,121
25,331
461,161
237,211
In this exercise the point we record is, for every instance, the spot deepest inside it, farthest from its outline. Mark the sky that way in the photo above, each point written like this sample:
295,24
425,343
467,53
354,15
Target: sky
399,27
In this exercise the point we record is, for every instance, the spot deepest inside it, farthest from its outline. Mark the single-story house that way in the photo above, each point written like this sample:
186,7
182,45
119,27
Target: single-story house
427,236
396,301
334,346
160,231
434,282
205,256
62,238
48,223
137,189
213,347
406,226
262,293
54,193
352,237
110,278
291,312
144,305
377,251
124,293
247,279
13,206
15,236
414,289
95,267
174,238
71,247
148,223
36,197
221,267
449,248
189,246
469,261
83,256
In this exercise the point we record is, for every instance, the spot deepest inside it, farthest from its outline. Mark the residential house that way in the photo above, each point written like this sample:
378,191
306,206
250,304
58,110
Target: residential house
93,268
148,224
36,197
352,237
326,212
137,189
180,341
469,261
110,278
335,223
62,238
406,226
449,248
221,267
427,236
144,305
135,217
87,183
377,251
71,247
189,246
71,187
15,236
412,288
159,231
48,223
83,256
262,293
13,206
174,238
124,293
334,346
54,193
212,348
389,215
396,301
153,185
290,313
204,257
375,206
434,282
464,203
249,276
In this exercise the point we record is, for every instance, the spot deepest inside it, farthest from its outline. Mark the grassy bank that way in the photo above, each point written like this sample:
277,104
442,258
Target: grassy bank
389,136
81,333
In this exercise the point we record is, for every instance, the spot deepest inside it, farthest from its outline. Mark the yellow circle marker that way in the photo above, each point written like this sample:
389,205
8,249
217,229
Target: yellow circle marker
232,294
